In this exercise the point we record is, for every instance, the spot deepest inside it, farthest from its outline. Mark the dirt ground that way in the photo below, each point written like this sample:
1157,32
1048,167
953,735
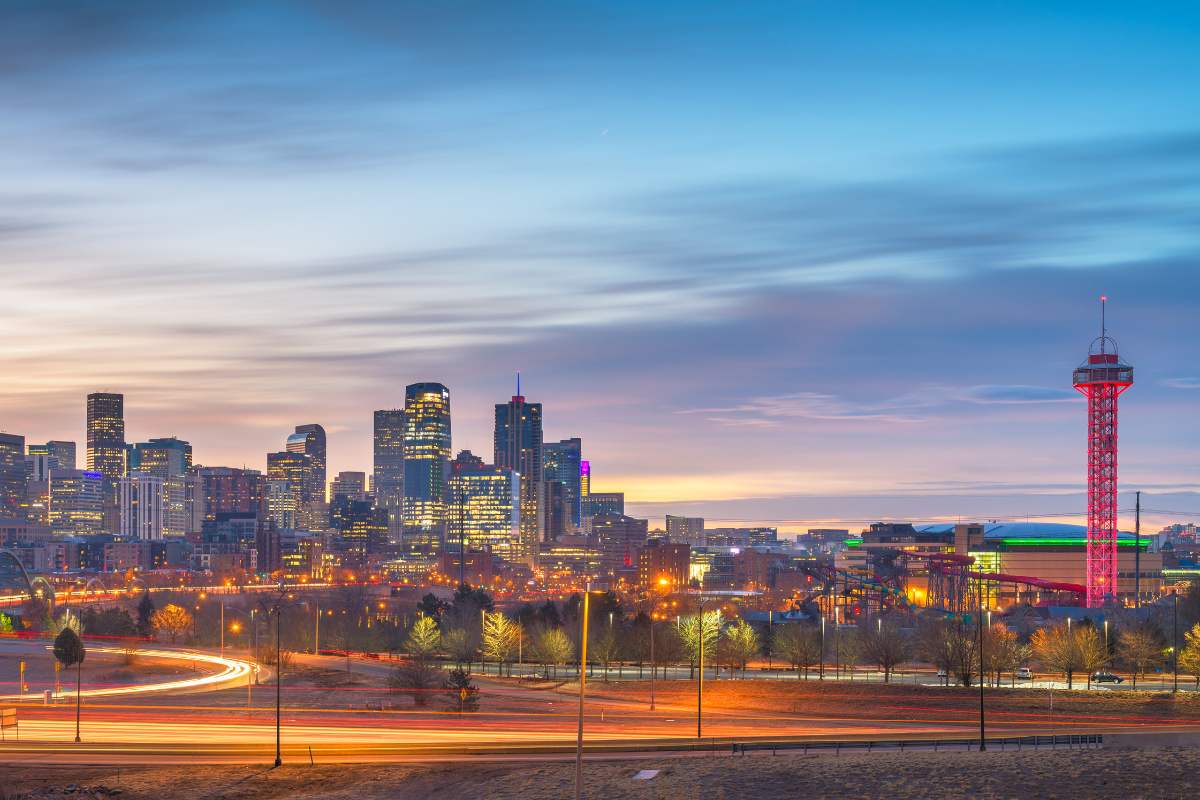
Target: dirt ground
916,703
1061,775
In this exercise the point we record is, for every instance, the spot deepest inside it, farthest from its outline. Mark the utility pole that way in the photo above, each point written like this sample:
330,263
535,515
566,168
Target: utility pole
1137,553
979,622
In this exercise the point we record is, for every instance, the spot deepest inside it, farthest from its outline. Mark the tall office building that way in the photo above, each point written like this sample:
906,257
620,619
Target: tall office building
281,505
686,530
389,458
106,434
141,496
518,446
350,484
14,484
76,501
426,462
64,452
170,459
227,490
595,503
562,461
485,508
310,440
296,469
585,478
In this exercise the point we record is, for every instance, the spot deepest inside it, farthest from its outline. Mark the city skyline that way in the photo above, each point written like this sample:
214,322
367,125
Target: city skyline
848,278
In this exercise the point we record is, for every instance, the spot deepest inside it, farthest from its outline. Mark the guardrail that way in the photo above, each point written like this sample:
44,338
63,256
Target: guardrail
1071,741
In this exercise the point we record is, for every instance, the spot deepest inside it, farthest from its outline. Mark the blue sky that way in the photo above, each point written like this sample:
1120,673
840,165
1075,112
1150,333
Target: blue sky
836,258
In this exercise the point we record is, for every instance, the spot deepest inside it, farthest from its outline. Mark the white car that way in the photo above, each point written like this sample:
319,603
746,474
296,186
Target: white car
1025,674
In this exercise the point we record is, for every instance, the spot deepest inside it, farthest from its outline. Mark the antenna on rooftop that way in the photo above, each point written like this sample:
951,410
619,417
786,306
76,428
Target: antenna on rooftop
1103,325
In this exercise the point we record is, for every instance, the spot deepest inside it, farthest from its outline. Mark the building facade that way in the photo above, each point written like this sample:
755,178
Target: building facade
168,458
426,463
13,480
389,458
517,445
310,440
76,501
141,500
562,461
60,451
595,503
686,530
485,510
620,538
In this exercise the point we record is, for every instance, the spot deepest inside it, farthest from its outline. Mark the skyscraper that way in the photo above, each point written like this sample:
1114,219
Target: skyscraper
76,501
295,468
106,434
13,480
486,508
141,501
63,451
518,446
310,440
351,484
585,478
426,462
389,458
170,459
686,530
562,462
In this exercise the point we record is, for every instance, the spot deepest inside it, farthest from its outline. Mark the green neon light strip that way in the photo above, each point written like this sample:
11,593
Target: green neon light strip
1075,542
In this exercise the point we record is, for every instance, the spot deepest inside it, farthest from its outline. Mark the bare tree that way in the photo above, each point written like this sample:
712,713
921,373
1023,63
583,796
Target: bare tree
889,646
799,645
550,647
1141,651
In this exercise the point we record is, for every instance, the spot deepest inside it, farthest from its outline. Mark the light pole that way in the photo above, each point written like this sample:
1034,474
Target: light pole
653,668
1175,649
278,674
700,685
249,702
982,741
582,682
222,630
1106,652
822,658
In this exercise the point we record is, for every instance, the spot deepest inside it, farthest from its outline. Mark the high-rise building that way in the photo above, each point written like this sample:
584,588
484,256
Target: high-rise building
64,452
389,458
553,512
562,461
14,484
361,527
295,468
485,508
426,461
595,503
686,530
518,446
106,434
140,496
76,501
620,539
168,458
227,490
585,479
351,484
281,505
310,440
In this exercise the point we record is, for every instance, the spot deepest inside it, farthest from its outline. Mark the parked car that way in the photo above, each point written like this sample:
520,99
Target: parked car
1025,674
941,673
1106,677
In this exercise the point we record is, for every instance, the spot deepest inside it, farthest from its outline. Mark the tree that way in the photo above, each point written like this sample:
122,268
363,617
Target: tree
604,647
1002,651
1140,650
145,616
431,606
689,630
424,638
68,648
1070,649
417,678
1189,659
849,644
936,645
550,647
499,641
549,614
472,599
173,621
112,622
460,693
889,646
68,620
741,645
799,645
462,645
1093,654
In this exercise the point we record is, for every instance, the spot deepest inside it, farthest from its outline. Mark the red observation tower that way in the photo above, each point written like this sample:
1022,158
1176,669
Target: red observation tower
1101,378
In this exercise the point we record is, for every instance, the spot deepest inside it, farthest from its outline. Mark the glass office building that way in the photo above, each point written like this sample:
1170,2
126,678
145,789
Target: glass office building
310,440
76,501
426,462
106,434
563,462
485,510
518,447
389,458
170,459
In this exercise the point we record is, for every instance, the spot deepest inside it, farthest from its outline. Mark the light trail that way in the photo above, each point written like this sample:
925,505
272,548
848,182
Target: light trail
233,670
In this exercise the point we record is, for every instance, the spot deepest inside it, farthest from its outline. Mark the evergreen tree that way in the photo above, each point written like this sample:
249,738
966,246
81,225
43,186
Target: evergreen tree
145,616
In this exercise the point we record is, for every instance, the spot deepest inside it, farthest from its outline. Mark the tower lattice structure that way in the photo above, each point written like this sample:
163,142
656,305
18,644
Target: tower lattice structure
1102,378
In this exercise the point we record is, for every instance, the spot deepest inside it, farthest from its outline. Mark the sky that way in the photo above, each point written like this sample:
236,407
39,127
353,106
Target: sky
811,264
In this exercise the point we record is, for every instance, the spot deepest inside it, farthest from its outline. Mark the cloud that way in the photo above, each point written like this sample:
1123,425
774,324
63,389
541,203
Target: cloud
1181,383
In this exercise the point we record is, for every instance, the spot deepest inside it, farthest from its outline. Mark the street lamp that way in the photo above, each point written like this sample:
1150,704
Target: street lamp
278,673
653,668
700,685
822,658
249,707
1175,649
979,622
582,681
